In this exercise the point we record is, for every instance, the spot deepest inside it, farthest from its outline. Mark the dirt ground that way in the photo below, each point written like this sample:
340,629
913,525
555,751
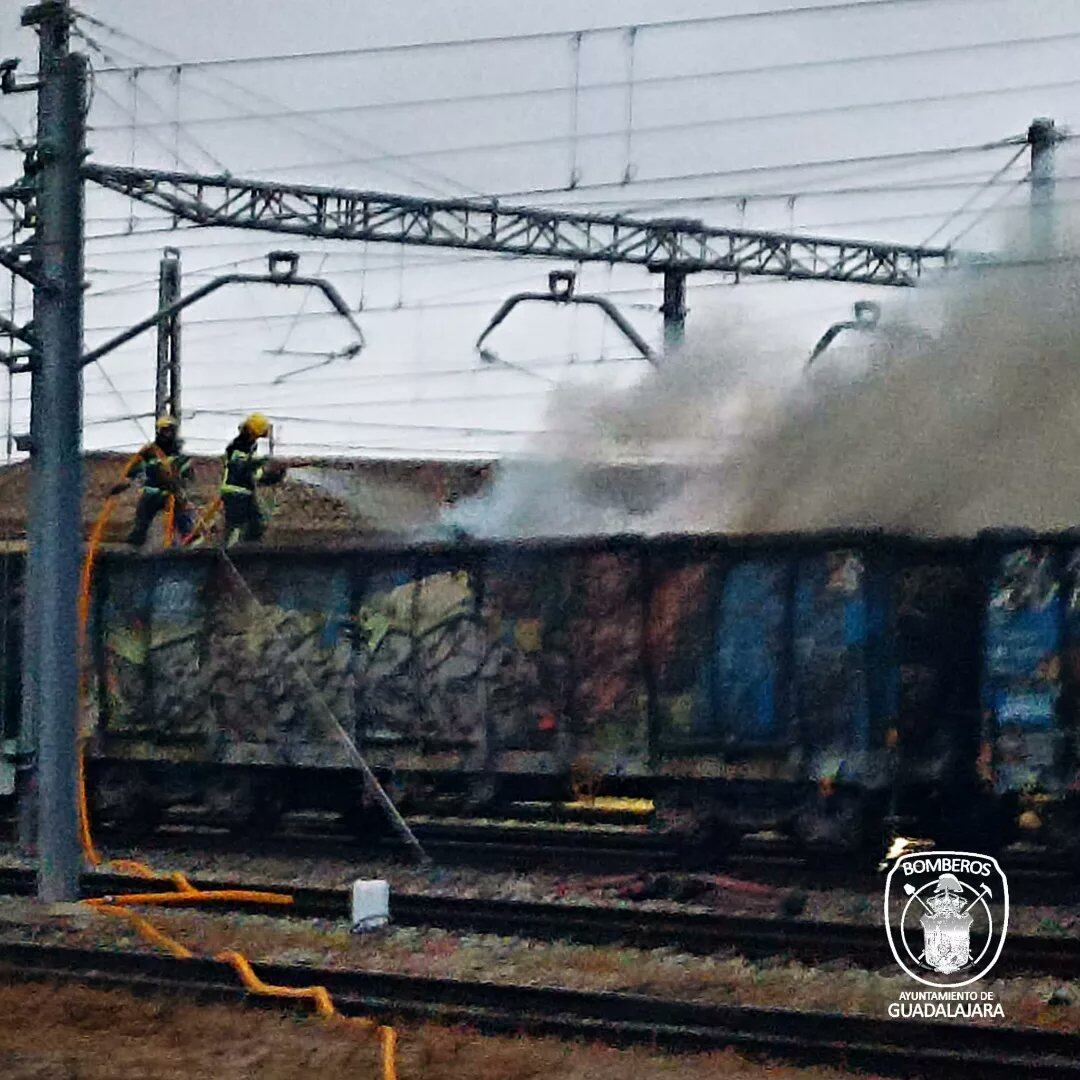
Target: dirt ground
52,1031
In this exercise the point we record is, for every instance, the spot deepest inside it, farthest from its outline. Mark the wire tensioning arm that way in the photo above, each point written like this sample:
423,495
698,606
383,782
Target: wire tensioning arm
274,277
561,291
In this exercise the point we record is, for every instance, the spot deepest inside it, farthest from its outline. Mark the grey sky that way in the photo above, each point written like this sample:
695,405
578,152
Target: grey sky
701,101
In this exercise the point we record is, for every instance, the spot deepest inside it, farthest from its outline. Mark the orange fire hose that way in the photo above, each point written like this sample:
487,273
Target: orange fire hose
185,892
170,519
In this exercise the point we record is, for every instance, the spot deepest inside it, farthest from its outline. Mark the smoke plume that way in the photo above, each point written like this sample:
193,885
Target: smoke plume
961,412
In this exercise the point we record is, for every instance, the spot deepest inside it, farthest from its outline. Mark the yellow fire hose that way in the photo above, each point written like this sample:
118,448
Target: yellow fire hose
120,906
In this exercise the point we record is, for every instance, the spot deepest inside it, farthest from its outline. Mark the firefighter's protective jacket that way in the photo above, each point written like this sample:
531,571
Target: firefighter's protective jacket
243,469
160,473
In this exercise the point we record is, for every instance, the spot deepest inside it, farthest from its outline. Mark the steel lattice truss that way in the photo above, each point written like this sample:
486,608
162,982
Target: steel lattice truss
484,225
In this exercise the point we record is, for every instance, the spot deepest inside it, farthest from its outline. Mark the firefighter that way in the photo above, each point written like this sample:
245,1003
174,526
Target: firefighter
164,471
245,518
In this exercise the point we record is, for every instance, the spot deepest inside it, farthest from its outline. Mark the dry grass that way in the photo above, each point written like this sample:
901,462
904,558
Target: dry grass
78,1034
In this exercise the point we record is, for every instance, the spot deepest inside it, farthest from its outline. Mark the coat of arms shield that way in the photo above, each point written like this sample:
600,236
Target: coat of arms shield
960,902
947,941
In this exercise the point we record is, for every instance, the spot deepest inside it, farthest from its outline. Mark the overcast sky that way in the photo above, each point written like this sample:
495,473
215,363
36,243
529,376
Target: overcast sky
628,114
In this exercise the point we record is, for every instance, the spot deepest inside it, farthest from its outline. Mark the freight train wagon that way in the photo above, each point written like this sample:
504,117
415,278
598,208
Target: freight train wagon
826,686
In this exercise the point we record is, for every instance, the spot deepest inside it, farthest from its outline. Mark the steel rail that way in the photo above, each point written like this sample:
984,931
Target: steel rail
853,1042
693,932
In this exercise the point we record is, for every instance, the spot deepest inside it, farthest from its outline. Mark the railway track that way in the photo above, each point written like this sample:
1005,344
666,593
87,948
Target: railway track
1033,878
523,848
697,933
493,846
893,1047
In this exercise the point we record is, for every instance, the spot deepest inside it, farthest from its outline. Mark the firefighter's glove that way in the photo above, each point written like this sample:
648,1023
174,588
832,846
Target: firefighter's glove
119,489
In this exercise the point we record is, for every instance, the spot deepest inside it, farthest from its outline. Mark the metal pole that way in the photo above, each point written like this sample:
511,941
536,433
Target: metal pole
161,370
26,779
9,434
55,440
167,384
674,309
174,333
9,446
1042,137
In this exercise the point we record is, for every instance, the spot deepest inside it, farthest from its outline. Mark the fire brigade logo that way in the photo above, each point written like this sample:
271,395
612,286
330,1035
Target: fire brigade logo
946,914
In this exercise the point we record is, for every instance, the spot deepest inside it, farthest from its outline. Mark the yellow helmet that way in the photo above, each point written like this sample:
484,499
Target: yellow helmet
164,423
256,425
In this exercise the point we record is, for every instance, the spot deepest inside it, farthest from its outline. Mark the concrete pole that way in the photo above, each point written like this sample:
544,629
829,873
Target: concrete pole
674,309
1042,137
56,538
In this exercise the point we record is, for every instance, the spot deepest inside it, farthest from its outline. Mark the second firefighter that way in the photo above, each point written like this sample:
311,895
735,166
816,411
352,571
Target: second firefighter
245,518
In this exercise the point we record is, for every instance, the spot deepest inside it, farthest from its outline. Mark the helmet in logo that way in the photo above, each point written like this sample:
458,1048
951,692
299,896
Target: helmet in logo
960,901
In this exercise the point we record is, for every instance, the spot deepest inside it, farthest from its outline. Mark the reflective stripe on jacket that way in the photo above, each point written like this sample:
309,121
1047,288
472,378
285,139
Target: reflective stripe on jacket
243,470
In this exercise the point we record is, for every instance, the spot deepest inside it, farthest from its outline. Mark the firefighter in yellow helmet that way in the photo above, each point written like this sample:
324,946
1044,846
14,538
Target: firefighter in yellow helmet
164,470
245,518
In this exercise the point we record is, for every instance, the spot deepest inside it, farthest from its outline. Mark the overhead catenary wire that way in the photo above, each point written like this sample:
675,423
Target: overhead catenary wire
291,329
869,105
557,138
380,448
742,200
575,109
380,425
996,208
134,125
887,158
20,138
631,58
447,183
575,87
845,6
147,282
444,299
426,374
135,419
975,196
956,238
221,320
